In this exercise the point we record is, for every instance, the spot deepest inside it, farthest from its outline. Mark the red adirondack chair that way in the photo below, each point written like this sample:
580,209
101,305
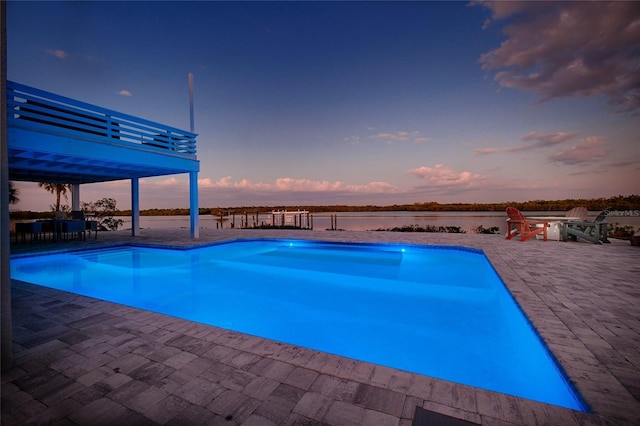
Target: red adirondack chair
517,224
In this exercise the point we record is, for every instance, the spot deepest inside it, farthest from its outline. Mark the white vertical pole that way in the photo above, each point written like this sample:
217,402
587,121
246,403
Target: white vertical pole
191,124
135,207
194,210
75,196
193,204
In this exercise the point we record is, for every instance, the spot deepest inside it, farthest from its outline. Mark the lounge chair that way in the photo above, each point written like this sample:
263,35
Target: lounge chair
517,224
595,232
579,212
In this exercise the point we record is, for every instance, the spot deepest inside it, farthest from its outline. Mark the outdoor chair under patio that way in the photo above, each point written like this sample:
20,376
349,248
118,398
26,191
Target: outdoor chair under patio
595,232
90,225
517,224
73,227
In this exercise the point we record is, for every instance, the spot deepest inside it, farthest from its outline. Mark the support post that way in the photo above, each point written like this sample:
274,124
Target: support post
5,268
135,207
194,210
75,196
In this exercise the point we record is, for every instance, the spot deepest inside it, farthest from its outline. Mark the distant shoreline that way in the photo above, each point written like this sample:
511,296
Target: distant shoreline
619,203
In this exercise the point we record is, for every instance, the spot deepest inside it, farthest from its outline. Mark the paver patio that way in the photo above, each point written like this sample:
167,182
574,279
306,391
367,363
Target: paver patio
83,361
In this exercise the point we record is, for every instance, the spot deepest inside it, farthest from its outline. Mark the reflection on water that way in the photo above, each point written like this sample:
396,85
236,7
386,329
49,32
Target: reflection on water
366,221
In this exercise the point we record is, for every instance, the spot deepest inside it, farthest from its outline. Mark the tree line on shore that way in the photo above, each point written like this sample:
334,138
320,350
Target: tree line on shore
620,202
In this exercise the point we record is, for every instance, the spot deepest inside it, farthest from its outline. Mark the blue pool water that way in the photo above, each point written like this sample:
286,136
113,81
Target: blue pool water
442,312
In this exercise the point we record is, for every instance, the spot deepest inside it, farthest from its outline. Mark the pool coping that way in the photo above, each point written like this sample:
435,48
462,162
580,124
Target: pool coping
460,401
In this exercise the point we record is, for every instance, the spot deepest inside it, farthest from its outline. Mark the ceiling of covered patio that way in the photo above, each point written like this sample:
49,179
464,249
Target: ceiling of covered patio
58,167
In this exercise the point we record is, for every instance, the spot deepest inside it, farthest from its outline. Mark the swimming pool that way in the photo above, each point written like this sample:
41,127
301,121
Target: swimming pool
438,311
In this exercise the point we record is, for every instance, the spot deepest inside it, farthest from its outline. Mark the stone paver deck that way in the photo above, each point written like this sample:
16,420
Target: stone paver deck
83,361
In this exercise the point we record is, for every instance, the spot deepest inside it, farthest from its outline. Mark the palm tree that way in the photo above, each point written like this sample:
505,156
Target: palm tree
58,189
14,194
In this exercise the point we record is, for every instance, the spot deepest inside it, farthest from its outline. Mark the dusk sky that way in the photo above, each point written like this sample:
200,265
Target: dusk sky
354,102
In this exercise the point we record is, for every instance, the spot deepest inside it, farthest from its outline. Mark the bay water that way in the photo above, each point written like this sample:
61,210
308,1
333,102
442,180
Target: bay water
370,221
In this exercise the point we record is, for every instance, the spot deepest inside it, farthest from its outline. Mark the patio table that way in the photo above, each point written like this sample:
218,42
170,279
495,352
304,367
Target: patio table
33,228
61,228
554,231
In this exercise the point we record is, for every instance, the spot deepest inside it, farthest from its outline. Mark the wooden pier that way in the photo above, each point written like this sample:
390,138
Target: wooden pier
277,219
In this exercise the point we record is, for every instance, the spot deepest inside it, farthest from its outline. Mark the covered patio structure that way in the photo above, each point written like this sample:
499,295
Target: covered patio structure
56,139
50,138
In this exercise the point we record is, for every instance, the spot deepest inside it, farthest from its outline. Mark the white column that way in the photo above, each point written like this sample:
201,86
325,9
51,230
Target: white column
135,207
75,196
193,204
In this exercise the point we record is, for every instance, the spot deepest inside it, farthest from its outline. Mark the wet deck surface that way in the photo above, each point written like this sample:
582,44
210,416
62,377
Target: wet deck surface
83,361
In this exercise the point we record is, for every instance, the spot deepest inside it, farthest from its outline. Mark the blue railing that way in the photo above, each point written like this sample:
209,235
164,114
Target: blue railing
33,109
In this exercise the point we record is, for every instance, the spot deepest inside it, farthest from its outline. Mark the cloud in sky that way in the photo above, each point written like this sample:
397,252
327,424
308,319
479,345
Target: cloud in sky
299,115
58,53
536,140
562,49
588,150
352,140
487,151
439,175
170,181
390,138
547,139
287,184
